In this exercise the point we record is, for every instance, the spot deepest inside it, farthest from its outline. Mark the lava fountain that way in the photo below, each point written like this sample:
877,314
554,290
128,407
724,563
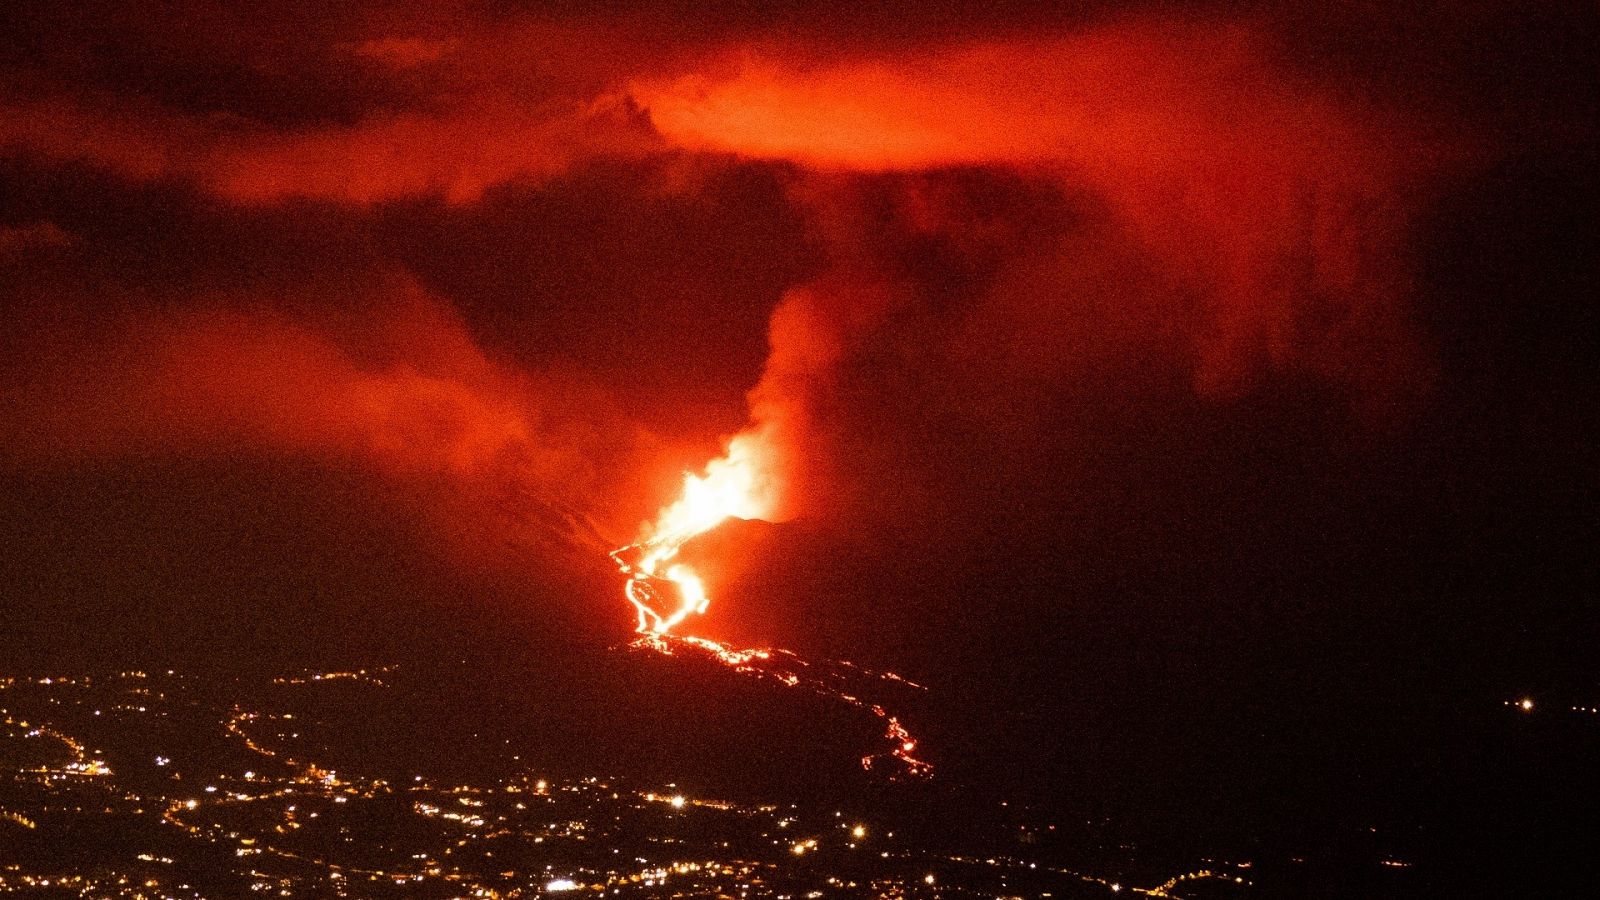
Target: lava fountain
732,486
665,593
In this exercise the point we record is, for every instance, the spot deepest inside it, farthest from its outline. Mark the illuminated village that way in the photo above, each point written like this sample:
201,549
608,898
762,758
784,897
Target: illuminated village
147,785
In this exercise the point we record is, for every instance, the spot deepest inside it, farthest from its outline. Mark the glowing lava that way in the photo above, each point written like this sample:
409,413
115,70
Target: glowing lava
839,680
736,486
732,486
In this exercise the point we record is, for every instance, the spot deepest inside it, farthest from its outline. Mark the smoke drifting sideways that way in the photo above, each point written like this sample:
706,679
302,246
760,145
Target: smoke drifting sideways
1017,215
1157,203
512,466
320,105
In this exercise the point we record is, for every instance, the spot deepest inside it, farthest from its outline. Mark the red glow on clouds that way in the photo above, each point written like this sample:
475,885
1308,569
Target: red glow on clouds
404,52
1249,220
1286,206
402,391
1124,98
456,155
212,378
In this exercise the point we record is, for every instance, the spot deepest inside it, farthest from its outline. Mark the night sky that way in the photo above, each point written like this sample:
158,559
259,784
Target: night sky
1198,397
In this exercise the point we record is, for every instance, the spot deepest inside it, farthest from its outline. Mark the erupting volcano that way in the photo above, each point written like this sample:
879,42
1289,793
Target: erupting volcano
733,486
664,593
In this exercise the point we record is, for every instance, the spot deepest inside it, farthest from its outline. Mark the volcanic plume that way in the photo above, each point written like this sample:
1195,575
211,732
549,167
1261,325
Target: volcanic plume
409,396
973,300
1278,210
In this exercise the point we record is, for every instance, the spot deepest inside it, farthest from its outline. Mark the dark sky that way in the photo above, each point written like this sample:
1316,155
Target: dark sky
1134,369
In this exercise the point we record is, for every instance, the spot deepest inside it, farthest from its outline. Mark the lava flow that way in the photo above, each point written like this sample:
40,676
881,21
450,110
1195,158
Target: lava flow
732,486
664,593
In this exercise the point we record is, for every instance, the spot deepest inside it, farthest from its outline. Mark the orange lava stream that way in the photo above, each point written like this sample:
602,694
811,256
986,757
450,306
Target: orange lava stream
834,680
734,486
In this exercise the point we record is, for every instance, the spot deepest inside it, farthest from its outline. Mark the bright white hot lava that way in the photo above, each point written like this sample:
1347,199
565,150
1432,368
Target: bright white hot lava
664,593
732,486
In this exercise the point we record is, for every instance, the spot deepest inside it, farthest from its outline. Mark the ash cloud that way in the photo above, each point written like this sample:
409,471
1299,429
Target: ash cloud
1278,211
511,466
1013,226
1001,249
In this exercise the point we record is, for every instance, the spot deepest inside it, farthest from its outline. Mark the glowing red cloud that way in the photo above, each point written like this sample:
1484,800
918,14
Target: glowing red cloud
1118,99
404,52
387,156
447,115
1284,206
404,393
